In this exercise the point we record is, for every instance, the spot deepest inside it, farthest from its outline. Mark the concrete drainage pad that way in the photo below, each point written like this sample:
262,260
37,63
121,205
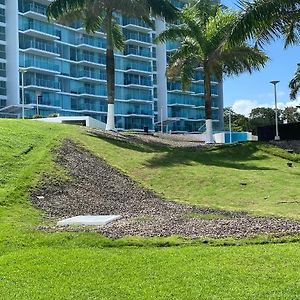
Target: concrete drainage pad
89,220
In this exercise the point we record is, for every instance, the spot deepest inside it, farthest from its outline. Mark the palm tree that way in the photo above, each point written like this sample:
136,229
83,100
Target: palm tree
266,20
203,35
294,84
102,14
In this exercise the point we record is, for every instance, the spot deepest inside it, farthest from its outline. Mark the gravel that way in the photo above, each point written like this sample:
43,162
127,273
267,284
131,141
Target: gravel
97,189
164,140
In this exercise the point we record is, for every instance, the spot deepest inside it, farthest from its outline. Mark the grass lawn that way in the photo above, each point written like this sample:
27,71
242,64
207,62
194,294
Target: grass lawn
39,265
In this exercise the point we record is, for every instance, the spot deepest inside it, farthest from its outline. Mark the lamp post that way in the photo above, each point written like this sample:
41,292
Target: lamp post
274,82
23,71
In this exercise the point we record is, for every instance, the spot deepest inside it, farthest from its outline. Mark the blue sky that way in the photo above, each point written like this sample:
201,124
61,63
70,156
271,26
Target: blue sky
247,91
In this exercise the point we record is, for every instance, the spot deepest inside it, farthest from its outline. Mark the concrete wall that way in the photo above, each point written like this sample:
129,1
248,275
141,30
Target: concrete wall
161,63
90,122
12,52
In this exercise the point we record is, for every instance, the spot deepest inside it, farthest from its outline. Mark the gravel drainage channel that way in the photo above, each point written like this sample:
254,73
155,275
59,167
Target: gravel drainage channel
99,189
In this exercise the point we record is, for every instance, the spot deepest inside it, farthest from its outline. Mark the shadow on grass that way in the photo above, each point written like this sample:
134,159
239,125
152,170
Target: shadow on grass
130,144
235,156
231,156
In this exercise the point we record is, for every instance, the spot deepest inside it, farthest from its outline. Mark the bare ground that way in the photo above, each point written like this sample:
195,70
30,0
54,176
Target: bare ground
97,189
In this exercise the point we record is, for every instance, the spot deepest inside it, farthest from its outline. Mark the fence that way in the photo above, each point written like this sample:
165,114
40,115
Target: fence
289,131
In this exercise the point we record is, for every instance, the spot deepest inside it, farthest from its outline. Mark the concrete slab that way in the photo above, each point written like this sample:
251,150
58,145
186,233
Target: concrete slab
89,220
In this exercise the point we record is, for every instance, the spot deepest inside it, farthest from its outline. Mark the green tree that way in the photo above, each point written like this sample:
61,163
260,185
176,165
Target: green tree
203,34
263,116
102,14
291,115
238,122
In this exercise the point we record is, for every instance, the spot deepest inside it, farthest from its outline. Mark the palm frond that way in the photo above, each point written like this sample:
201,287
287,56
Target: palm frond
58,8
242,58
294,84
264,20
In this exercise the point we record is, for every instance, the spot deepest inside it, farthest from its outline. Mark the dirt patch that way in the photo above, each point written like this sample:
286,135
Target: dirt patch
97,188
165,140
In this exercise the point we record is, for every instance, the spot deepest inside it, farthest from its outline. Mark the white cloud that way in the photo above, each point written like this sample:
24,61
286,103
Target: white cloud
244,106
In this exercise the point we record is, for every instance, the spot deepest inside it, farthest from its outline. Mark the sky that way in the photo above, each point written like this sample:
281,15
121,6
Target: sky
246,91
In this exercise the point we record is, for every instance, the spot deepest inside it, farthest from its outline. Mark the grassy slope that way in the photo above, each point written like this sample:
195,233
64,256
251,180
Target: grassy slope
214,178
37,265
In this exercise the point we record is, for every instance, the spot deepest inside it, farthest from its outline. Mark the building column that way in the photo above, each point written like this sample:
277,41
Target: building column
12,52
161,64
221,105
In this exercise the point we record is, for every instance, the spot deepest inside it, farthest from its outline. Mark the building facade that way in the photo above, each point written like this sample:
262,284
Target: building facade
64,72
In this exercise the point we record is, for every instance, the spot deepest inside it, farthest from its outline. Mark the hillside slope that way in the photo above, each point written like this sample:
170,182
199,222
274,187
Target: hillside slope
63,265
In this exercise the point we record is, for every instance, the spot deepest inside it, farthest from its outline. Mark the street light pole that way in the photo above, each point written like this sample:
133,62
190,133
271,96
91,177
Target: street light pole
274,82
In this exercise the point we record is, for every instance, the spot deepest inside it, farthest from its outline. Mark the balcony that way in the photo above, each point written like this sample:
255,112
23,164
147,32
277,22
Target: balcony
91,76
137,39
92,92
91,60
138,82
182,100
89,43
35,11
138,68
138,53
41,84
41,30
136,24
171,46
40,66
40,48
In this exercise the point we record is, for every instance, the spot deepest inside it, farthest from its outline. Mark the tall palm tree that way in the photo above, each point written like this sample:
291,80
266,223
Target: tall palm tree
96,14
266,20
203,35
294,84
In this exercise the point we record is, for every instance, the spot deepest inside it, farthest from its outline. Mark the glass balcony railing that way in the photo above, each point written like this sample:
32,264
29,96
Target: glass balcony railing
139,52
136,81
35,7
137,36
91,42
138,66
42,83
92,74
135,21
40,26
137,95
185,100
186,113
46,99
174,86
172,45
92,91
91,58
41,65
40,46
135,112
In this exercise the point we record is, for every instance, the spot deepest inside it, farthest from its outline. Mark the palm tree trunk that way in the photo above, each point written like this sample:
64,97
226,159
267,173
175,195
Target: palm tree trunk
110,74
208,110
